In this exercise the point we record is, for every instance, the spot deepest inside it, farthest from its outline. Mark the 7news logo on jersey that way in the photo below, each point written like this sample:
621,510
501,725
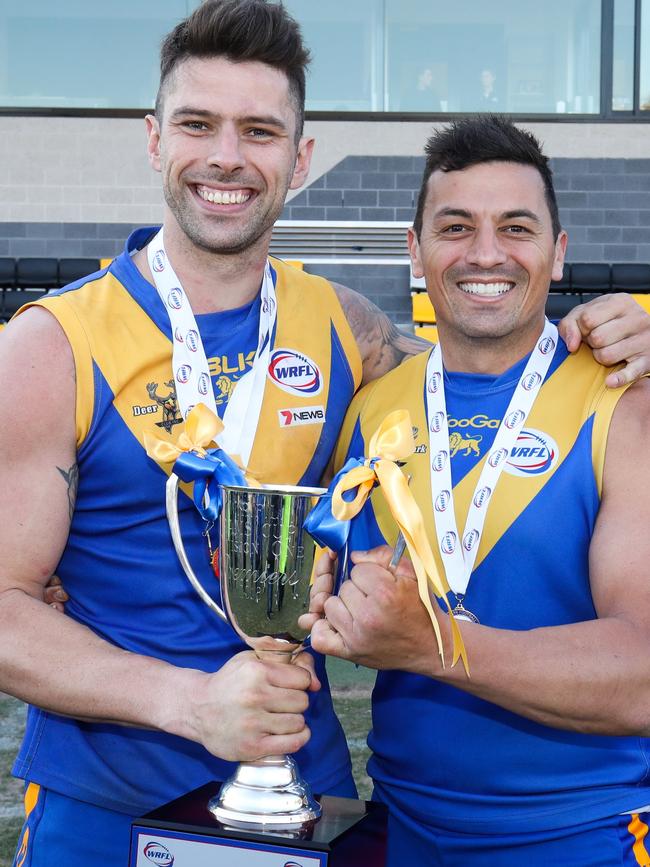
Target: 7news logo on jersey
295,373
301,415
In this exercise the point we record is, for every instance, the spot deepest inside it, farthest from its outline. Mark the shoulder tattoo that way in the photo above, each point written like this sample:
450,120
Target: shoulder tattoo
381,343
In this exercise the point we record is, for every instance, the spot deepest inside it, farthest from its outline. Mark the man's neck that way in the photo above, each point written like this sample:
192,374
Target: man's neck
486,355
212,282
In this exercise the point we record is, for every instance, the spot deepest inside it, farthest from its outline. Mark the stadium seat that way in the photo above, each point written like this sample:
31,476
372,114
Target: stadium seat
14,299
427,332
590,279
37,273
631,277
423,311
71,270
7,273
558,304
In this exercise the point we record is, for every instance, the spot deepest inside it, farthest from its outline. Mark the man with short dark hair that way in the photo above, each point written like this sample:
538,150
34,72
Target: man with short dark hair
534,482
149,695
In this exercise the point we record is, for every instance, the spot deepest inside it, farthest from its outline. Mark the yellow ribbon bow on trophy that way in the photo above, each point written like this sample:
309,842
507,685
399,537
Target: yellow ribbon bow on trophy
391,442
202,427
193,463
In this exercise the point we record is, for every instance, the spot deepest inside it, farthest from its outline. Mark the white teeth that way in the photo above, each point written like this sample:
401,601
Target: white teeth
488,290
223,197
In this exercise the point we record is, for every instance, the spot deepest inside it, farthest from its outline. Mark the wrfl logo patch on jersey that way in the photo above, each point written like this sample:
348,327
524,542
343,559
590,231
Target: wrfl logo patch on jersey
158,854
534,453
294,373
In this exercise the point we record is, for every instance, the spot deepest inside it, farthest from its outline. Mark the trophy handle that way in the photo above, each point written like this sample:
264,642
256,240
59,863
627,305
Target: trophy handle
174,525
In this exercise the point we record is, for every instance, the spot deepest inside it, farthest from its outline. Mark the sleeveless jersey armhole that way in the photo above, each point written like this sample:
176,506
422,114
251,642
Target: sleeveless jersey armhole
352,418
602,407
84,376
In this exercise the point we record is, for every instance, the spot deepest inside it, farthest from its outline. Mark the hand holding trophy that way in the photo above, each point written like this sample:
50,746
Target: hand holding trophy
265,566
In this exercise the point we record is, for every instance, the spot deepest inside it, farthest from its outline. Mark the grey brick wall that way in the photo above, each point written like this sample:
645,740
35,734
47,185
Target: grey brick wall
604,205
385,285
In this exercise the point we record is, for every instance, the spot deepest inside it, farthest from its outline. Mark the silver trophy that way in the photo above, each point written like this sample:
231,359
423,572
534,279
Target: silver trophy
266,560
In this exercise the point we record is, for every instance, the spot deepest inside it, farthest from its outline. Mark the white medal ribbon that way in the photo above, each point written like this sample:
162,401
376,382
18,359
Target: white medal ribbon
190,365
459,553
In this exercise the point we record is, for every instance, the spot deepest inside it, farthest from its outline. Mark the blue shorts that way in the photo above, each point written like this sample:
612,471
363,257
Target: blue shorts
617,841
63,831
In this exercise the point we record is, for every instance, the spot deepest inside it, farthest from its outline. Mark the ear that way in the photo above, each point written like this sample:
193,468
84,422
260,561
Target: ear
560,253
414,250
153,141
303,162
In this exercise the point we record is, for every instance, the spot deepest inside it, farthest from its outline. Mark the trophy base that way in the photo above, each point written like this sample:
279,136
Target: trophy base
186,834
266,794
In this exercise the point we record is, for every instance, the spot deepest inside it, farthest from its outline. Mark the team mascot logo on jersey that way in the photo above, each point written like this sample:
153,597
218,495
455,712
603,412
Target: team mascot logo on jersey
294,373
534,453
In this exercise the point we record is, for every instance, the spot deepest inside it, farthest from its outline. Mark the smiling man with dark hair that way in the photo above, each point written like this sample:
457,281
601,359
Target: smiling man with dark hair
540,755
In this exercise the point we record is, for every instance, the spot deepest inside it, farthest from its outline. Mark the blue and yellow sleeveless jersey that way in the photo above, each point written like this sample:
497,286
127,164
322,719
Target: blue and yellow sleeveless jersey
444,757
119,566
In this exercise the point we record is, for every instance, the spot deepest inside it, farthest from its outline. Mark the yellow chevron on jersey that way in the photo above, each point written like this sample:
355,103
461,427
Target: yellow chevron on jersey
302,301
104,322
570,395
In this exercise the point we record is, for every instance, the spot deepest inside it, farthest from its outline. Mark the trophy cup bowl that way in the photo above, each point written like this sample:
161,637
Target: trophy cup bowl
266,559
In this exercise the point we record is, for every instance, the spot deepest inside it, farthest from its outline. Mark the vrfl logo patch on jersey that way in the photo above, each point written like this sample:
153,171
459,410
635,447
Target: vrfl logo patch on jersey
301,415
294,373
534,453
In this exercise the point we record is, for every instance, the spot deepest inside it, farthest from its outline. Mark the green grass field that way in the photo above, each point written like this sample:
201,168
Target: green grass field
351,691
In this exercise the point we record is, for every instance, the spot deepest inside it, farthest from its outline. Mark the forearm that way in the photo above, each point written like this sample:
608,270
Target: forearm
590,677
55,663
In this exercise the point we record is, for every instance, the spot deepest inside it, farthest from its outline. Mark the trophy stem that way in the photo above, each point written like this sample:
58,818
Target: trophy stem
268,792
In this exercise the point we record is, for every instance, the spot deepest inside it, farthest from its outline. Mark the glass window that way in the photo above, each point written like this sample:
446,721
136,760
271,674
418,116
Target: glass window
499,56
623,66
644,78
72,53
346,42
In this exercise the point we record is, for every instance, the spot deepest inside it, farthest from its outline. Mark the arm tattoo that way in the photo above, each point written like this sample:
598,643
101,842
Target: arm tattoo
71,477
382,345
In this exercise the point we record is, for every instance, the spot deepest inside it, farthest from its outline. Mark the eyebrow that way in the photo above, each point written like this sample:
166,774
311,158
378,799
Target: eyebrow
517,214
452,212
521,213
252,120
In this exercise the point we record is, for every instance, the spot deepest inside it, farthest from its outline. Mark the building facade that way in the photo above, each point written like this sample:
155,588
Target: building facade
76,79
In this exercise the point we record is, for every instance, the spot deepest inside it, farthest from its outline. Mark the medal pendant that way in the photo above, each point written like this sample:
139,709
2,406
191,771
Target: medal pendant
461,613
215,562
213,551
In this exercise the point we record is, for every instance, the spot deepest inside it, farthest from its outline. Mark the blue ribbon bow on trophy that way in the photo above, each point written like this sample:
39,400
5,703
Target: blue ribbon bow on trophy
197,458
332,532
